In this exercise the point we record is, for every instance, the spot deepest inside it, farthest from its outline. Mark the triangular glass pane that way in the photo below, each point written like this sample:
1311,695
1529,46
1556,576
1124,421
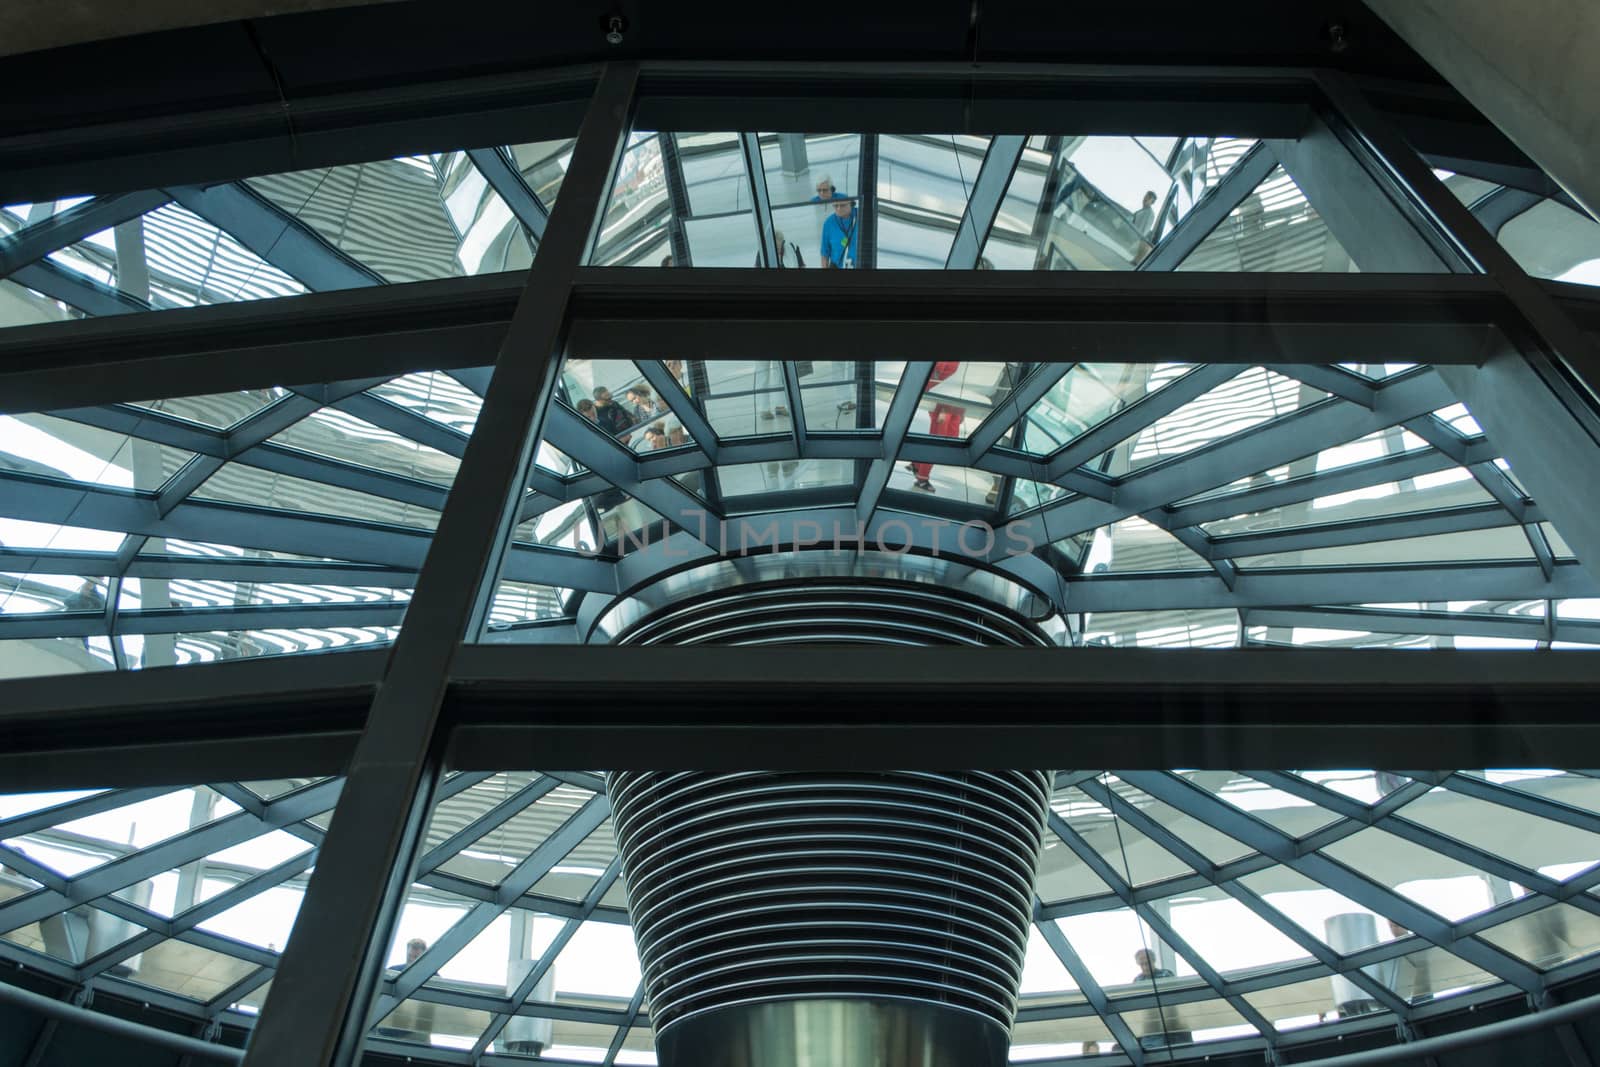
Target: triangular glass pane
1131,856
1450,488
1443,884
220,411
455,223
53,447
188,970
960,395
1086,396
1184,628
580,869
1368,787
1226,934
614,395
1274,229
1579,791
1555,850
1549,937
338,435
436,395
493,856
1215,845
924,182
236,483
454,813
1123,955
1063,876
1135,546
1506,542
1244,401
543,166
1329,916
1285,812
187,261
558,525
518,603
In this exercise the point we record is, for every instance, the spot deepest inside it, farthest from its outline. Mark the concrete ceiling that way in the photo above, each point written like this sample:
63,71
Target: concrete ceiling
34,25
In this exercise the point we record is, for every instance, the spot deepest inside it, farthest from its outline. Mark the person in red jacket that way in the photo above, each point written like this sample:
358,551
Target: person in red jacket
943,421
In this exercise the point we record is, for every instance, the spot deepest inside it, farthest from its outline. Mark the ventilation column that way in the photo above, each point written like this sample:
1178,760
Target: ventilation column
831,919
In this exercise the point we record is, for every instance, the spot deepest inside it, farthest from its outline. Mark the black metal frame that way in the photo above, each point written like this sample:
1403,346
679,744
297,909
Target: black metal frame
1497,338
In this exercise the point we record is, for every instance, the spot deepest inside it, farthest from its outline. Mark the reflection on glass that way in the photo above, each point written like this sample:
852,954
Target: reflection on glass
1274,229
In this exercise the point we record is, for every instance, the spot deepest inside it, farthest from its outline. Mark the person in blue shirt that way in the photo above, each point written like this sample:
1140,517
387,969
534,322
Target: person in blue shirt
840,231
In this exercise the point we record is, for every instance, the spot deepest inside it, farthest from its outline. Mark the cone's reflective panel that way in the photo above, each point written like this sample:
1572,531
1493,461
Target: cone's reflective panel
800,919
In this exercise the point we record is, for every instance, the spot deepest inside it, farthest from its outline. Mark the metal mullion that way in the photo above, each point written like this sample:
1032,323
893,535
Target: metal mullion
495,817
275,236
983,205
37,240
1091,990
621,1036
797,413
1317,949
524,988
109,800
677,199
405,422
1014,408
500,171
1329,379
1338,877
896,424
1308,430
867,179
1536,400
1137,416
317,1013
1202,545
1215,205
1207,973
238,990
682,405
1298,490
760,198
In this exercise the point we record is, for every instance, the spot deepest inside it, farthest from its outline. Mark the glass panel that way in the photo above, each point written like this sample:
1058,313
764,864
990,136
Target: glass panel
1326,914
1274,229
1293,1007
1173,1025
1133,546
1231,938
189,970
405,219
59,448
1548,937
1087,395
1131,855
1580,791
1432,974
492,857
341,436
1551,848
1439,883
1507,543
1049,1039
1063,876
1552,240
1161,629
21,306
220,411
1103,202
1123,956
1215,845
1255,396
174,259
1284,812
924,183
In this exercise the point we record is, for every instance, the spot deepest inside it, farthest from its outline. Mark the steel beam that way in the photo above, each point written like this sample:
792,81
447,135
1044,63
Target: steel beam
983,204
1215,205
275,236
316,1013
755,172
65,228
500,171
